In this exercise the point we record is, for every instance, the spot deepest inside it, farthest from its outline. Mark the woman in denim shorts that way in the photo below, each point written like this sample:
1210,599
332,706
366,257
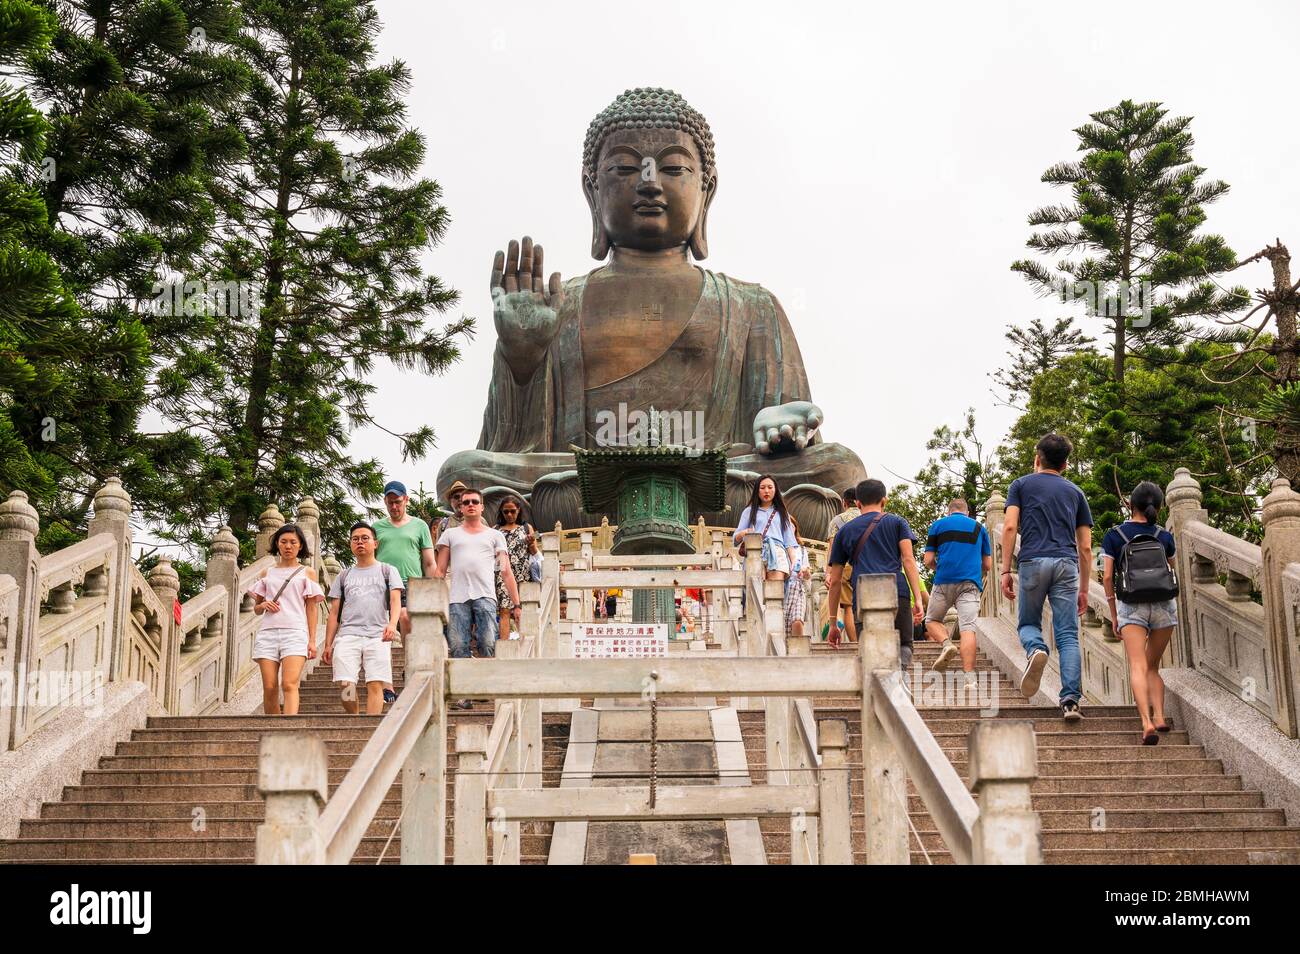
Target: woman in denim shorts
1145,628
766,514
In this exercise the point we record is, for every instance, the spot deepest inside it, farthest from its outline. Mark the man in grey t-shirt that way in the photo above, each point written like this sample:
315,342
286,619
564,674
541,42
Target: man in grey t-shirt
365,606
474,550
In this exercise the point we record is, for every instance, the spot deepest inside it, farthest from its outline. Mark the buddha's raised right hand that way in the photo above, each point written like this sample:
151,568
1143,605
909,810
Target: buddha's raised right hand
525,311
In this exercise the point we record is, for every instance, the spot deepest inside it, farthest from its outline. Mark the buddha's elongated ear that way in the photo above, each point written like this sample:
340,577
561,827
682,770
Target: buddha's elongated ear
599,238
699,238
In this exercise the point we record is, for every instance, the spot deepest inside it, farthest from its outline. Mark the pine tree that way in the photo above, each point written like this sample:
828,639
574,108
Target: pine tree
131,92
1037,349
1135,218
322,231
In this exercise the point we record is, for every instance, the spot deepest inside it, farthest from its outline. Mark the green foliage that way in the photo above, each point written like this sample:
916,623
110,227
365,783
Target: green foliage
325,220
1135,217
106,188
1037,350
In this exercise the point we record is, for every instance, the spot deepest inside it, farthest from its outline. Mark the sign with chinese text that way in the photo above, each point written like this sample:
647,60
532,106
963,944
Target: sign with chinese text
619,640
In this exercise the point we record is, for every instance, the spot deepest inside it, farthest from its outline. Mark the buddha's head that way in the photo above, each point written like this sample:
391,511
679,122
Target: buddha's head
648,174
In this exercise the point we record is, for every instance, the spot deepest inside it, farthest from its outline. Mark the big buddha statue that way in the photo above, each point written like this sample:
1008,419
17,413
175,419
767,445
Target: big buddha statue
647,328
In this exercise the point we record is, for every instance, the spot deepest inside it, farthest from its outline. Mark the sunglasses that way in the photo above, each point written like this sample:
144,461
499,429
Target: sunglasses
471,503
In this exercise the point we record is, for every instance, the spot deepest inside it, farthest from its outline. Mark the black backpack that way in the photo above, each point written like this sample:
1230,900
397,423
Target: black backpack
1143,574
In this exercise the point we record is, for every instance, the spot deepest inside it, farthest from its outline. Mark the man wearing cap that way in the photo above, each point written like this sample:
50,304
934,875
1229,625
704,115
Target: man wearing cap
404,542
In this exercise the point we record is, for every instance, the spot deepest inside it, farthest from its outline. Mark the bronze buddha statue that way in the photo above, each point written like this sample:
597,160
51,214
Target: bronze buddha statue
647,329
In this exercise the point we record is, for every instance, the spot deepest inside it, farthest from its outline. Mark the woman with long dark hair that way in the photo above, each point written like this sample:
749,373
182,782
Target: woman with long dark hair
766,515
521,543
1144,627
286,595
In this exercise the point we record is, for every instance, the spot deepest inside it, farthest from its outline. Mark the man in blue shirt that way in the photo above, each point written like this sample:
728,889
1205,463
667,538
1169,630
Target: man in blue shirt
888,549
1055,527
957,549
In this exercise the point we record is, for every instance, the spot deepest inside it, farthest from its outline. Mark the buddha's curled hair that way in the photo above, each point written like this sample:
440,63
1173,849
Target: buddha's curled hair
647,108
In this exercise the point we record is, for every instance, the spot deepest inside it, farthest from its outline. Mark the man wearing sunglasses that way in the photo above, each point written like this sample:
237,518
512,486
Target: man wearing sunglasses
474,552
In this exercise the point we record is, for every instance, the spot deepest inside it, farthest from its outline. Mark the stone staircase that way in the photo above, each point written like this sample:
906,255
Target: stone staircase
1102,796
183,790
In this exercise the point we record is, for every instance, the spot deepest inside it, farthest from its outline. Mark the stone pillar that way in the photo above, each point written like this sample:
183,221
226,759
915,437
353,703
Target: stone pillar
270,521
470,825
223,570
754,641
1183,498
1003,760
1282,546
113,516
424,774
995,515
19,559
293,775
884,778
308,518
835,819
166,585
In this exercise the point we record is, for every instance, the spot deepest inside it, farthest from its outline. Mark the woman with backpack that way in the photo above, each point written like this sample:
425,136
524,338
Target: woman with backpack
286,597
1137,558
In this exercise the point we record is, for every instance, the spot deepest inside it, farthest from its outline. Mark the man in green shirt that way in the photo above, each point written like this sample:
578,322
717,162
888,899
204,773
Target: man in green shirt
405,543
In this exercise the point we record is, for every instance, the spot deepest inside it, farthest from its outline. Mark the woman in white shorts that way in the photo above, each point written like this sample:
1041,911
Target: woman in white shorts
286,596
766,514
1144,628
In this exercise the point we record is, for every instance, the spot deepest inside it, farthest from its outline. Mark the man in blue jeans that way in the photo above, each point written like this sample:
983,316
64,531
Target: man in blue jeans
474,551
1055,527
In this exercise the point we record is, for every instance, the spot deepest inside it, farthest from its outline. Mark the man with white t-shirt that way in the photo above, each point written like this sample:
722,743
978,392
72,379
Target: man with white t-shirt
475,551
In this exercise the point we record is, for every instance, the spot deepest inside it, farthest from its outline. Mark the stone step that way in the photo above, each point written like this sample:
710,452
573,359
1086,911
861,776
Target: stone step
254,808
1135,816
1087,801
1152,838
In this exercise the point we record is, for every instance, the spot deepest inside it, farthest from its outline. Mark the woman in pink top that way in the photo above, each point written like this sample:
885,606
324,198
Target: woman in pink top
286,598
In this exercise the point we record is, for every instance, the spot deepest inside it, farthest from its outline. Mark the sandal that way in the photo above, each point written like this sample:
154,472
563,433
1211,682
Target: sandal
1169,724
1150,737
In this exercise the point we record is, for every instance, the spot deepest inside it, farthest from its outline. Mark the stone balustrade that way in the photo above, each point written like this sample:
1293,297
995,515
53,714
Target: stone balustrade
1238,605
84,616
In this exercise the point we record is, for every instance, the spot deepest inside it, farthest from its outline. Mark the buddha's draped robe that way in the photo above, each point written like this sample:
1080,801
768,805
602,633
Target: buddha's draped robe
736,355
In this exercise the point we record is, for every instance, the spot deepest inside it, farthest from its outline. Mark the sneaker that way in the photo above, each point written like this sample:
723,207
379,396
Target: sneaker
1070,711
1033,673
946,656
389,696
465,704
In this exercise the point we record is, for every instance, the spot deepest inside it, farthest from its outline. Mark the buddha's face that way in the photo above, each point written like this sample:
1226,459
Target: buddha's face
649,188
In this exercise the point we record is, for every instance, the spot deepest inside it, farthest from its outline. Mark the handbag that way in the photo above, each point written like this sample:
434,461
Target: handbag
535,567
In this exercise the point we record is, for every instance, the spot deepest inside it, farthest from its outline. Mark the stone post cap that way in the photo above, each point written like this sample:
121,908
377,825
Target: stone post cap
773,589
224,545
1281,502
529,592
877,591
164,577
550,541
1002,750
18,518
1184,490
293,762
307,509
112,498
426,594
751,543
331,565
471,737
832,734
271,519
995,502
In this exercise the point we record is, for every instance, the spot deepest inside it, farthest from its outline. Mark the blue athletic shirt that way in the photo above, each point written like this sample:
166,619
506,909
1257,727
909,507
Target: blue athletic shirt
959,544
1051,509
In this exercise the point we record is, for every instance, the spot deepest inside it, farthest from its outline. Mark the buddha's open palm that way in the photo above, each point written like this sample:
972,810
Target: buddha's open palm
786,427
524,308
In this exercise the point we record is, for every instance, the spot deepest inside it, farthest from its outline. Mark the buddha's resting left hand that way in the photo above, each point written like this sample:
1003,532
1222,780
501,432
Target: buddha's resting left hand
786,427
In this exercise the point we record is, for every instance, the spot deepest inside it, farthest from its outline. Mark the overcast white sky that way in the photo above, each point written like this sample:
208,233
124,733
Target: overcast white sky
876,165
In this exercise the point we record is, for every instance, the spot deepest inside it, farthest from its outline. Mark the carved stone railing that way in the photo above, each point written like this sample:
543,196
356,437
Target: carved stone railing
84,616
1249,646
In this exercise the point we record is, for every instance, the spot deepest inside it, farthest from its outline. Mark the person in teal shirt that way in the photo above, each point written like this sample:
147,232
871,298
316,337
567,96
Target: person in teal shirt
406,544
